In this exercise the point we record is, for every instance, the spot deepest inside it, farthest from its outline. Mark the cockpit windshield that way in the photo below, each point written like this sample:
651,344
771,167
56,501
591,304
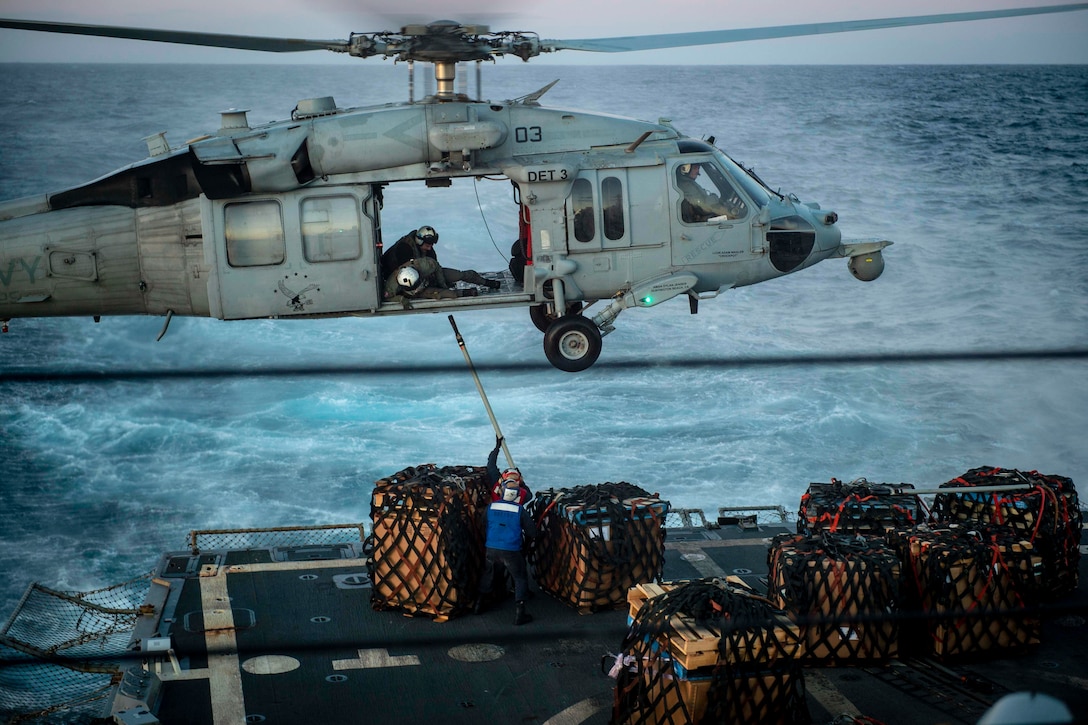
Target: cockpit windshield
752,186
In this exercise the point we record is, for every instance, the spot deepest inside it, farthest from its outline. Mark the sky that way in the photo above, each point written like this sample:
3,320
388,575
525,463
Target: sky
1057,38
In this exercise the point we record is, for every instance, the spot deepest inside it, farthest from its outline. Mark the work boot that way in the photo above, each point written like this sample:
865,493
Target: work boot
492,283
520,615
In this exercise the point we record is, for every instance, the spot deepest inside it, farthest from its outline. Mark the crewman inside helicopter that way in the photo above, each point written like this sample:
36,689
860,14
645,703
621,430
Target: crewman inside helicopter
700,203
416,278
419,244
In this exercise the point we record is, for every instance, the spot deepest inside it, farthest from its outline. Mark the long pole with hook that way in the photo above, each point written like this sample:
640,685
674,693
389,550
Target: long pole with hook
483,396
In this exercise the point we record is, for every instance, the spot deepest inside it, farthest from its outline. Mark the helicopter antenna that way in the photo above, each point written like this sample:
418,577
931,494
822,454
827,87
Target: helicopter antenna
533,99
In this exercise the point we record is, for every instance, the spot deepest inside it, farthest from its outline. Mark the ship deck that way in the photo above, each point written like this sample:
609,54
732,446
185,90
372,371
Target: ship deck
287,635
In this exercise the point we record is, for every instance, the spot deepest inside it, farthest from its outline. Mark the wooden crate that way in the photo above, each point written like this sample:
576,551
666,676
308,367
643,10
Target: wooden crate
695,646
1047,514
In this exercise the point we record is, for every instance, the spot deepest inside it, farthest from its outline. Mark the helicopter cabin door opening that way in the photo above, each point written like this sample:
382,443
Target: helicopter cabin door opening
299,253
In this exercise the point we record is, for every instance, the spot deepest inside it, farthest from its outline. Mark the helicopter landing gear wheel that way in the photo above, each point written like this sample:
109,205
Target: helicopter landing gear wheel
543,319
572,343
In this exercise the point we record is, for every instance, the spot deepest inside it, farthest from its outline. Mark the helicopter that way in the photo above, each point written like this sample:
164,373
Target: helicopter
283,220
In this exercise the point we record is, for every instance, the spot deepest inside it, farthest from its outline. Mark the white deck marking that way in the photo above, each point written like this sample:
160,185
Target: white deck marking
289,565
581,711
370,659
692,553
270,664
224,674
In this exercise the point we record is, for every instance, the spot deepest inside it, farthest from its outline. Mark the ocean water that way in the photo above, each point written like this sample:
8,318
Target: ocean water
978,174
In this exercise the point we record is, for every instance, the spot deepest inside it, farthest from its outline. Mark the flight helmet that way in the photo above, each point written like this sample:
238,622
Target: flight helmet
408,277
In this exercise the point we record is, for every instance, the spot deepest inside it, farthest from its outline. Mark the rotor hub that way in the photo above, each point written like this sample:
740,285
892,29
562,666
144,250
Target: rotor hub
444,41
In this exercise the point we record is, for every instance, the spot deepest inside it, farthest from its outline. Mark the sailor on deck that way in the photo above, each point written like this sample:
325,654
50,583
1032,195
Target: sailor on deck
497,480
506,522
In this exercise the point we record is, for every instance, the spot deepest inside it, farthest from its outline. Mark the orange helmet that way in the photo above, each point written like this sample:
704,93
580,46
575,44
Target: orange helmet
511,477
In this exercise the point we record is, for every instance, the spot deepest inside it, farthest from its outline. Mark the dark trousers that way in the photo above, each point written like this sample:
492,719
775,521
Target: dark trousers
514,562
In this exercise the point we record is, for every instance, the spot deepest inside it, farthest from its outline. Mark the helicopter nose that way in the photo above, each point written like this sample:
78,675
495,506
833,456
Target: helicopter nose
828,236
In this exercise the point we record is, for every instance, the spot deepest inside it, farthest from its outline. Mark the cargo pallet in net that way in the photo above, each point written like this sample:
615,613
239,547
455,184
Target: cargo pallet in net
425,552
707,651
596,542
1045,512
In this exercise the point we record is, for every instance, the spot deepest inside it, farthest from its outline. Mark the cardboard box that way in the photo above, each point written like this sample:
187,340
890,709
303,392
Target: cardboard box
592,548
425,552
979,585
1046,512
858,507
839,587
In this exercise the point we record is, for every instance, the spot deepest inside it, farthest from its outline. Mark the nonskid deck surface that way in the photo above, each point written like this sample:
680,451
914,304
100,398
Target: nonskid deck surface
295,640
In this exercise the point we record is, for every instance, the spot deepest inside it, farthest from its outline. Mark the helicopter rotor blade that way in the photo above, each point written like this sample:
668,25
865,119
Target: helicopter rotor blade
715,37
450,41
215,40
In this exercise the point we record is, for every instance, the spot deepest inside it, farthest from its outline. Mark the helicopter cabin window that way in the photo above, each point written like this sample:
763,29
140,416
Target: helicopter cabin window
705,194
582,199
254,234
330,229
612,207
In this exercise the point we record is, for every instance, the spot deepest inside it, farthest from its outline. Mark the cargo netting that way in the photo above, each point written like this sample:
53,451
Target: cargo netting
977,585
426,552
858,507
707,651
843,589
596,542
1045,511
62,651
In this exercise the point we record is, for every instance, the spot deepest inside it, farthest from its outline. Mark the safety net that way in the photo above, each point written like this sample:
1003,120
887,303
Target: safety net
62,651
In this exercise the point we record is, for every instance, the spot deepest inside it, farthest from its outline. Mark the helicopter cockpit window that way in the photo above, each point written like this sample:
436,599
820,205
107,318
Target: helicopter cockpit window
582,200
330,229
612,207
706,193
254,234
